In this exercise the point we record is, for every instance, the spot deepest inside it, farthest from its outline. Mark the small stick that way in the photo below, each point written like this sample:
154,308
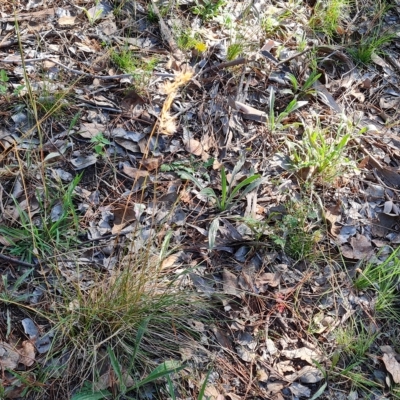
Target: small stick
226,64
73,71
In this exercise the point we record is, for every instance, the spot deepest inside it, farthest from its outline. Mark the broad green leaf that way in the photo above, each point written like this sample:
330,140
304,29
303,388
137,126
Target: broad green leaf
319,392
246,182
164,369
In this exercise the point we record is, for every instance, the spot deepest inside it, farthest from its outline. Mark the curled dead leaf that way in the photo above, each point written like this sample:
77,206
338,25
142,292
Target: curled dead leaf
27,353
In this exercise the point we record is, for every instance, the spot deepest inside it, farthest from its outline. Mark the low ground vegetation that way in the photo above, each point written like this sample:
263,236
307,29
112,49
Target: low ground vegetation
199,200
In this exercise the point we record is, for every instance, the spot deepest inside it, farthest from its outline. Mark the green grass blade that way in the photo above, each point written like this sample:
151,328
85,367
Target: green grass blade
203,386
116,368
139,336
164,369
244,183
224,186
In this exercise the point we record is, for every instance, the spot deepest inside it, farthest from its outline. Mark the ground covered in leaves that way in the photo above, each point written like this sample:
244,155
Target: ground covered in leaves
199,199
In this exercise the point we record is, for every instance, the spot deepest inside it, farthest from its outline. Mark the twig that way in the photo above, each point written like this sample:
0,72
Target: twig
293,57
216,68
73,71
15,261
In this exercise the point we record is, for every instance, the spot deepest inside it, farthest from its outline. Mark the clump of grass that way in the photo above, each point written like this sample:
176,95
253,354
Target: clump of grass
234,51
328,16
56,226
139,67
369,46
383,279
296,233
354,342
135,311
208,9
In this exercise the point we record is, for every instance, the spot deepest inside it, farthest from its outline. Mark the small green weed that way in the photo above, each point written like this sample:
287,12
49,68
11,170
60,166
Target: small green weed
296,233
354,342
276,123
52,104
320,154
186,40
100,143
208,9
230,194
151,14
306,88
272,23
9,292
128,62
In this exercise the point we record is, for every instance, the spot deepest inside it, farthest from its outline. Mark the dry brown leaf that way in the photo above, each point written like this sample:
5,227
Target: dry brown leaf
268,278
193,146
151,163
392,366
211,392
131,100
9,358
230,283
333,214
304,353
134,172
66,20
169,261
27,353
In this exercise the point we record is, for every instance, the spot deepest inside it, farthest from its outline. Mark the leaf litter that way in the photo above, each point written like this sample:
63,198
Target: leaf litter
283,255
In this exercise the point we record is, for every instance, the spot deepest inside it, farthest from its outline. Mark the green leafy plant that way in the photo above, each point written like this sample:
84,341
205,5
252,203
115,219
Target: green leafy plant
276,123
272,23
100,143
320,154
307,87
208,9
230,194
